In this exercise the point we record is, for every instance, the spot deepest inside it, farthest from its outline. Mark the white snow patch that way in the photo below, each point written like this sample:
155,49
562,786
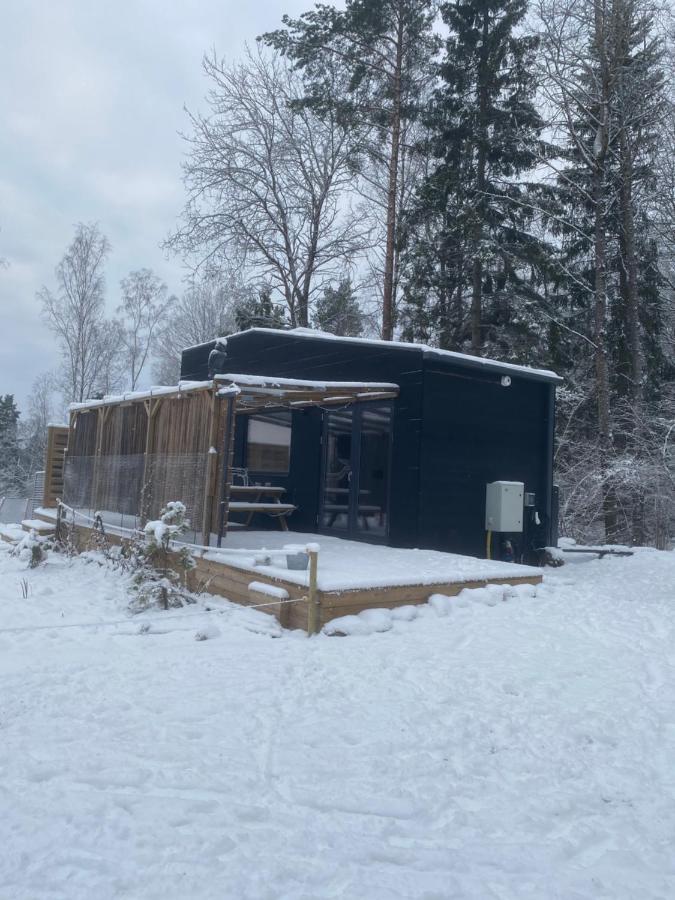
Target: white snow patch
270,590
522,751
208,633
345,565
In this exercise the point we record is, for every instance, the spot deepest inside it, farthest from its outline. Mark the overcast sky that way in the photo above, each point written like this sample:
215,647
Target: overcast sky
91,102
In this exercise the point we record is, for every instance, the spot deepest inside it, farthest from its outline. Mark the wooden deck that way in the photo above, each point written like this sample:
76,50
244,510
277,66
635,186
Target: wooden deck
232,582
239,582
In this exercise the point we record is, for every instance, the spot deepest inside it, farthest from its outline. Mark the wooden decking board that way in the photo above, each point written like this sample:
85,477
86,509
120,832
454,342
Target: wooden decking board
231,582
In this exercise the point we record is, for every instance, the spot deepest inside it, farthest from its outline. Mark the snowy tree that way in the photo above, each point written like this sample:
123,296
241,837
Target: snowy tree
33,426
205,311
338,311
259,312
75,311
471,240
266,180
369,64
603,82
10,473
145,306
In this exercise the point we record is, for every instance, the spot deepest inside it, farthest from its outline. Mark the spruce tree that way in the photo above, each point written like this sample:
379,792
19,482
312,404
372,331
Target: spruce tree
472,237
606,87
338,312
10,478
261,312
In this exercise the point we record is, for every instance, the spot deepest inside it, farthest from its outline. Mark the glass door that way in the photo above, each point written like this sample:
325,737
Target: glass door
356,463
336,502
372,499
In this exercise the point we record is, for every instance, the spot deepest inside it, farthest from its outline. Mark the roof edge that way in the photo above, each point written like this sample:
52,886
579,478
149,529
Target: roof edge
462,359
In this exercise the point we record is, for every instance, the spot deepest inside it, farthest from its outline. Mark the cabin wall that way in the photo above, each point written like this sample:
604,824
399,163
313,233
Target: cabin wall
476,431
267,353
456,428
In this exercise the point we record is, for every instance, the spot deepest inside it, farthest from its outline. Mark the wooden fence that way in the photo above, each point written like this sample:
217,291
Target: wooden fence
131,456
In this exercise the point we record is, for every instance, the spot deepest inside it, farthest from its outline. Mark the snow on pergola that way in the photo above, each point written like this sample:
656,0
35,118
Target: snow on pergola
256,391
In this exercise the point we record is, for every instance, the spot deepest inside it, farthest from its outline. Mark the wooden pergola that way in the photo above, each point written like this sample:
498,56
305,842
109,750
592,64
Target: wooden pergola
194,420
263,392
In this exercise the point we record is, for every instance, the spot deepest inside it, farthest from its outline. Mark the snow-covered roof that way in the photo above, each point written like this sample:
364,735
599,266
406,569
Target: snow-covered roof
450,355
183,387
265,390
274,382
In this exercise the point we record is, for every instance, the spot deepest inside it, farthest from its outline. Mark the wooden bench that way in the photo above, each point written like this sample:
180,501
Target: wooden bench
275,510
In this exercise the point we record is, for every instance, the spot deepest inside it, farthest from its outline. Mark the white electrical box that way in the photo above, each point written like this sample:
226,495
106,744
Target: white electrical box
504,506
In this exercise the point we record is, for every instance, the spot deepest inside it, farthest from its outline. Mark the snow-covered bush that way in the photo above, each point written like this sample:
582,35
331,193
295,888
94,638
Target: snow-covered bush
158,572
31,549
66,539
98,539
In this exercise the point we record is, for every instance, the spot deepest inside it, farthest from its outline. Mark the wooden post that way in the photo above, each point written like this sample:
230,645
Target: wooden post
57,445
313,606
226,477
59,521
102,414
151,408
211,469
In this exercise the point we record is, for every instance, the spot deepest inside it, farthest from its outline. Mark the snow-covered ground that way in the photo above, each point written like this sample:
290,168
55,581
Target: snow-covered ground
519,750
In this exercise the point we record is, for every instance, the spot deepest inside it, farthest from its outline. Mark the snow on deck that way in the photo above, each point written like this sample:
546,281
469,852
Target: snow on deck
521,751
343,565
349,565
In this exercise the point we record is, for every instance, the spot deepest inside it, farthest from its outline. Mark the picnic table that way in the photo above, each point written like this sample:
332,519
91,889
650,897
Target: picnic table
260,498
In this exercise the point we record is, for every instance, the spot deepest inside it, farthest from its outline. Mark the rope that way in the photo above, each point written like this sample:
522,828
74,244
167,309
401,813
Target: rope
162,618
178,544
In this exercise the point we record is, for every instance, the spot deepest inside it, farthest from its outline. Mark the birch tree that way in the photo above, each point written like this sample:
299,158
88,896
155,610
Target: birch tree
75,312
205,311
267,180
145,304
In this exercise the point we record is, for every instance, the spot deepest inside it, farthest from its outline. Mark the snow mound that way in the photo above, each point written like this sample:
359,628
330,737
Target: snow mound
372,621
207,633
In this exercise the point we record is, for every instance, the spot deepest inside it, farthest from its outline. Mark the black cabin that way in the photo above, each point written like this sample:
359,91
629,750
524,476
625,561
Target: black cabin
409,472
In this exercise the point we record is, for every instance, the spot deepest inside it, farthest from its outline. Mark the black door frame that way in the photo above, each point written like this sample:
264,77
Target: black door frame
352,531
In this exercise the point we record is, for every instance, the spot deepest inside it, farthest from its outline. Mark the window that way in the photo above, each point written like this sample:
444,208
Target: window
268,442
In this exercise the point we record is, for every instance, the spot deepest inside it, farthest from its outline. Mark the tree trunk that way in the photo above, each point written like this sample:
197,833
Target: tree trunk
476,301
477,236
600,188
601,369
629,261
388,288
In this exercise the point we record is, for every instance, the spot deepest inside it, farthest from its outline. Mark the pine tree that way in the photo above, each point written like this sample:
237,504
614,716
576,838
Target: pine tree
366,64
338,311
472,238
259,313
10,477
606,87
